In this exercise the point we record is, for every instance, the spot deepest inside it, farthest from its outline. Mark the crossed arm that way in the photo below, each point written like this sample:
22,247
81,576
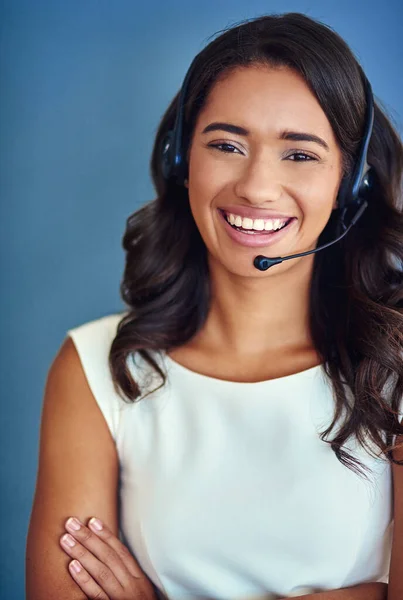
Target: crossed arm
364,591
99,550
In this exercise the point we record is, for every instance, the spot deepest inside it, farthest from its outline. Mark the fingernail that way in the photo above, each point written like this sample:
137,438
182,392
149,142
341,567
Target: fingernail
69,540
95,524
73,523
75,566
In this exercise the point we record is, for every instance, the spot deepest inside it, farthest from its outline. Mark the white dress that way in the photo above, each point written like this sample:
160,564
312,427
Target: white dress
226,489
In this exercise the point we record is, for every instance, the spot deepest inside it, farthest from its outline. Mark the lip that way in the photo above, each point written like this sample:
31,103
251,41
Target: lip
253,213
256,240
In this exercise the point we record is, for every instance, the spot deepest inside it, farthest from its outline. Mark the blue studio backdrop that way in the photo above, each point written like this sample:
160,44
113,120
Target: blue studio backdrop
84,84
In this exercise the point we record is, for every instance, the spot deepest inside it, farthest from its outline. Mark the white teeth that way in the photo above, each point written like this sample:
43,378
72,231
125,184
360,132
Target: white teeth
257,224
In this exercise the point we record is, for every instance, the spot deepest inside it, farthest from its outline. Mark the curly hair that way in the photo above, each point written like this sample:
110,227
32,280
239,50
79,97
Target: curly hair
356,293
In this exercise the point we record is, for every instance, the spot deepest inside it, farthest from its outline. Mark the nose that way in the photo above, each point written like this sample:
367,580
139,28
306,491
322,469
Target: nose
259,182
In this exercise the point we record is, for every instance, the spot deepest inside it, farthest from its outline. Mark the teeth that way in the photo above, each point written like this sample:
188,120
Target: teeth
257,224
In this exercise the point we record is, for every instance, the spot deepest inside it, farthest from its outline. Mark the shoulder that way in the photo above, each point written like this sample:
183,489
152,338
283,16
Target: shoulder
77,470
396,574
98,333
76,375
395,587
85,356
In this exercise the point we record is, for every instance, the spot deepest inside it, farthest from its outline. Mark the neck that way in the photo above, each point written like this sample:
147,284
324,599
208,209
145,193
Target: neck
254,315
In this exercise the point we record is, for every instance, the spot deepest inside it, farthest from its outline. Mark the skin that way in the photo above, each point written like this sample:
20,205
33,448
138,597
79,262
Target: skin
106,569
261,171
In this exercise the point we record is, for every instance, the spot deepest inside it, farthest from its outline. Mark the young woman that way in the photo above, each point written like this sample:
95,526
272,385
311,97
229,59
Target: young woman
237,428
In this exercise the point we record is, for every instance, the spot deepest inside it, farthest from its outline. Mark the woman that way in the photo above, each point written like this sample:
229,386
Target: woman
244,421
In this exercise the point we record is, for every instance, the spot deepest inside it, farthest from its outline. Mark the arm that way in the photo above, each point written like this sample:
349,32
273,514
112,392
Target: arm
77,475
395,589
363,591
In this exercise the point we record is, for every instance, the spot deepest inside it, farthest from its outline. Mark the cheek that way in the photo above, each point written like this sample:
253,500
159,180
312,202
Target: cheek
211,171
206,184
201,202
206,175
316,206
318,193
206,190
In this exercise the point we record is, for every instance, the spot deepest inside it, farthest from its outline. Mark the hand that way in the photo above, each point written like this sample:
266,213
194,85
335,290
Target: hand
107,569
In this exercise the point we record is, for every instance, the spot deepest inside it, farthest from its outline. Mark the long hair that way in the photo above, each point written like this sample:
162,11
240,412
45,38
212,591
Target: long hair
356,295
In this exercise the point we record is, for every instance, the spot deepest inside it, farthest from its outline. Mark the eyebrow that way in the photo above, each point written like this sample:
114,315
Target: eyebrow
296,136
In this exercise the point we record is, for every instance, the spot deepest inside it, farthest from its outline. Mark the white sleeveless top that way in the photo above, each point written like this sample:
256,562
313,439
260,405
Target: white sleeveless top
226,490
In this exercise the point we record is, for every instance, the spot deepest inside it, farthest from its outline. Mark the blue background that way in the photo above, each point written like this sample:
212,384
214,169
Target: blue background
83,86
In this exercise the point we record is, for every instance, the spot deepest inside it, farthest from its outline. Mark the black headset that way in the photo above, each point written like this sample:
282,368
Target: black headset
353,189
174,165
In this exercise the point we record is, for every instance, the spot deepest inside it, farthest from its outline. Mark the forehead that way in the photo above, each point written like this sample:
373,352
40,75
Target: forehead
266,100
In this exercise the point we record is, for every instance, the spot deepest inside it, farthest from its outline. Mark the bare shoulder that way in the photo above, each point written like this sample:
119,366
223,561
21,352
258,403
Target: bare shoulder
395,587
77,475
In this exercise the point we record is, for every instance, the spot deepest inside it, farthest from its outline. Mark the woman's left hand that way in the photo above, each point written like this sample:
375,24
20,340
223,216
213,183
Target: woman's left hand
107,569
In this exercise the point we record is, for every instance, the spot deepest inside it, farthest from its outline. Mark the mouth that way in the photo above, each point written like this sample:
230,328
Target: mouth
249,237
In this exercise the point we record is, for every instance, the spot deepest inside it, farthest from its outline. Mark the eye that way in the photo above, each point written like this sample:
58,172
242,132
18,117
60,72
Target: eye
226,148
231,149
306,157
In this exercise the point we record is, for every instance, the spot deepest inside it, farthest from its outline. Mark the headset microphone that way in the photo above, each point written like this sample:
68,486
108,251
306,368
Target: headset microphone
263,262
353,190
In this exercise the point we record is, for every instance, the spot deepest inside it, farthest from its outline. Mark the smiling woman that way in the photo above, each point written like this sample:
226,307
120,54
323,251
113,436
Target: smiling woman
230,487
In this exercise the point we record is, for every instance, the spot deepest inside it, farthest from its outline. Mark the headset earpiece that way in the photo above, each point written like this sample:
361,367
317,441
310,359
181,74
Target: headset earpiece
166,159
173,165
173,162
367,182
355,188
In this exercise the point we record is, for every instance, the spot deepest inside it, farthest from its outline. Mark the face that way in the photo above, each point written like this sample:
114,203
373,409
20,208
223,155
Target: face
272,160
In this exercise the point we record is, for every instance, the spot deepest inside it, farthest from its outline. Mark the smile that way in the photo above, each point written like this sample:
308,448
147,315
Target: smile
258,237
244,223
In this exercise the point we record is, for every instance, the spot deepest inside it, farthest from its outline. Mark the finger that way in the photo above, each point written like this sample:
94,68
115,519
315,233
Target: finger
104,533
84,580
99,572
98,548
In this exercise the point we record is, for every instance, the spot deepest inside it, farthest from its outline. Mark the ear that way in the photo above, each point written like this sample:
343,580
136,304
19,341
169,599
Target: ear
186,183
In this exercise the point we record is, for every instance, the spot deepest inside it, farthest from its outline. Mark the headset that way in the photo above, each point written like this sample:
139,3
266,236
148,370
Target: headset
353,191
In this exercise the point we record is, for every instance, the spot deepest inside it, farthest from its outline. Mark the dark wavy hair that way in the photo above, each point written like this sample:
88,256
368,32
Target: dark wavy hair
356,297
